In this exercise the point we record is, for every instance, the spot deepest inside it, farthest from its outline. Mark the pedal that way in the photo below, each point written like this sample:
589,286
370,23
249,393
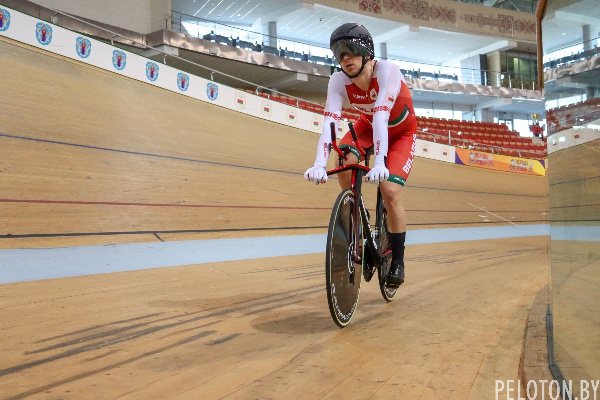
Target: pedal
393,285
390,285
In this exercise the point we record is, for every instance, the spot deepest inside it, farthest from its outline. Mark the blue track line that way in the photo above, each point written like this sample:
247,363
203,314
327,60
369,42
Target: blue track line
19,265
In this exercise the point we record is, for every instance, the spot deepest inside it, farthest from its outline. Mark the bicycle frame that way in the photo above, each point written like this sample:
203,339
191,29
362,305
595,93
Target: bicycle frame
358,171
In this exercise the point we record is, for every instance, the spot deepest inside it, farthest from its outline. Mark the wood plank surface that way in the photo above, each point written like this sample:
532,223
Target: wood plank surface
262,329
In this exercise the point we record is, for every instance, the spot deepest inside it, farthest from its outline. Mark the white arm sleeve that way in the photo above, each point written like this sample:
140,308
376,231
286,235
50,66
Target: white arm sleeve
336,93
390,80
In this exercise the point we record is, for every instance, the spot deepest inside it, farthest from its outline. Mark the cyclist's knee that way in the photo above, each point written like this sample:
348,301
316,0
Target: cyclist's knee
350,159
392,192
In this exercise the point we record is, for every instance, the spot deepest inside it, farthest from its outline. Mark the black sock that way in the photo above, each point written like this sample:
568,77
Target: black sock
397,243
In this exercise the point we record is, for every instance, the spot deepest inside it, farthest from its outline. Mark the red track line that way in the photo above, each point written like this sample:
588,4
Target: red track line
478,211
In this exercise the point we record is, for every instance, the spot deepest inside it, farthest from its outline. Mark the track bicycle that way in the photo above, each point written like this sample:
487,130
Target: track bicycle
355,249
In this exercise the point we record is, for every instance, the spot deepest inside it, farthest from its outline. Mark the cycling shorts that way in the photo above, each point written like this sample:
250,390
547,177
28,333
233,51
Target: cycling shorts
402,141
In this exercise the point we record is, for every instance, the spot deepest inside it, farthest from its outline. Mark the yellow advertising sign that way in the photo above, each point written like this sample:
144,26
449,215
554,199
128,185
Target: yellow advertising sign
500,162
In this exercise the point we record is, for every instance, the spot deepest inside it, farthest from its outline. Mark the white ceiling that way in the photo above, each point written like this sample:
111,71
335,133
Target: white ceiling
564,27
313,23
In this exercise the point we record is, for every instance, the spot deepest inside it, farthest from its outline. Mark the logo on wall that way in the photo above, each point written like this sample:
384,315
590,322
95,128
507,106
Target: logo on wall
119,59
444,153
212,91
183,81
291,116
83,47
266,108
424,149
4,20
43,33
240,100
316,123
151,71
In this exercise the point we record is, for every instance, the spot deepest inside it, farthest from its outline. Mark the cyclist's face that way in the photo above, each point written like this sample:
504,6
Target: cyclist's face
351,63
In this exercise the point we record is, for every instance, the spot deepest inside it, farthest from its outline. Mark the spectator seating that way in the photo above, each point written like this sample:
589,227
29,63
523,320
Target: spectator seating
483,136
480,136
566,117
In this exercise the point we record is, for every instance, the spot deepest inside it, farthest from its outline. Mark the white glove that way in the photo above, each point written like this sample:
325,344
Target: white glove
377,174
316,174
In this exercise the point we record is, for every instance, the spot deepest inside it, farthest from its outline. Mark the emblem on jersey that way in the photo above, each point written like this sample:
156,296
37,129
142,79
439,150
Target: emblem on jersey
316,123
152,71
83,47
391,97
4,19
373,94
240,100
266,108
291,116
212,91
43,33
119,59
183,81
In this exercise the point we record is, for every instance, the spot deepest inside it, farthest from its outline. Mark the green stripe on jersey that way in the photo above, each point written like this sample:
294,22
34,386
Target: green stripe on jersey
400,118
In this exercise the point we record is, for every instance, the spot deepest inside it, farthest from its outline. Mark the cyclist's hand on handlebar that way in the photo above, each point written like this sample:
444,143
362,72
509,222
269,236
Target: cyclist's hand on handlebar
377,174
316,174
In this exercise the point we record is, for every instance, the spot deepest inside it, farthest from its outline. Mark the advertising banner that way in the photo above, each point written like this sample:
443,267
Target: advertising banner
499,162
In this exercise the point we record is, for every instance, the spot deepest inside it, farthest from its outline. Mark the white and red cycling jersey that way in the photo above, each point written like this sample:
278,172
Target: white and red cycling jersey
387,119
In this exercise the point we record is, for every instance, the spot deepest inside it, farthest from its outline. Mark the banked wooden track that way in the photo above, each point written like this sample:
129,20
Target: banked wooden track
92,158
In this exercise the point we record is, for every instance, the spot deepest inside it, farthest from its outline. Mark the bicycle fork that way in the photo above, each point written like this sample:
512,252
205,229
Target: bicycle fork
354,253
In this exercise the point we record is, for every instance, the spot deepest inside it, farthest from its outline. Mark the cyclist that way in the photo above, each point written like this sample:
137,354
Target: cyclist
387,122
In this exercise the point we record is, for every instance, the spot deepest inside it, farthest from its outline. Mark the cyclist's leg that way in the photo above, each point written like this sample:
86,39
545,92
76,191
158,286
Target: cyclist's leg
396,216
401,152
364,132
400,158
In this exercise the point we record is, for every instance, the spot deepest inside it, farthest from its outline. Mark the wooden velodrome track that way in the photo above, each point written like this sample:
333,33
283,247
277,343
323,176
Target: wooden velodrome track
88,157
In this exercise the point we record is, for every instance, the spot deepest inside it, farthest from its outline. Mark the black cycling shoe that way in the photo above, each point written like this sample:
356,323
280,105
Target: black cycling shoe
395,276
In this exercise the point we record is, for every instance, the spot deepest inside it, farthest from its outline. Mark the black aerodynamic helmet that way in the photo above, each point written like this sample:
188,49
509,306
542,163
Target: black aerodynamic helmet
354,39
353,35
